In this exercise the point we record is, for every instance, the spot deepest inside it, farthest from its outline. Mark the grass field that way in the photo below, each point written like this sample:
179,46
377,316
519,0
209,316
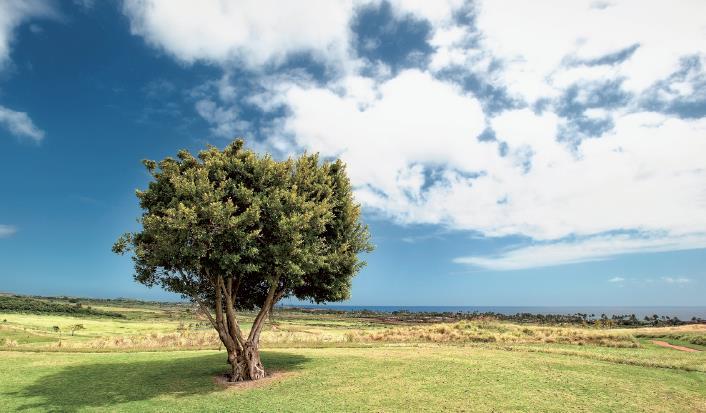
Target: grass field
324,362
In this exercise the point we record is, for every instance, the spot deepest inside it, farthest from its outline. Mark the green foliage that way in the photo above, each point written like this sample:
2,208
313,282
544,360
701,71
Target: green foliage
15,304
258,223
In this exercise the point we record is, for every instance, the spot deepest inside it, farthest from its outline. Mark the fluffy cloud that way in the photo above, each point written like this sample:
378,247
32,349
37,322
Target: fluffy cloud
543,46
392,133
414,154
19,124
577,162
412,148
257,32
254,32
7,231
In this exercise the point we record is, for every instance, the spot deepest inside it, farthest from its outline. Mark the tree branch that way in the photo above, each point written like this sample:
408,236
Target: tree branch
278,296
235,332
254,335
222,330
206,311
234,291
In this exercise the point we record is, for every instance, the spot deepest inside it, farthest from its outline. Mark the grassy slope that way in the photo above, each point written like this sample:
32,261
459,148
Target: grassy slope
446,378
380,375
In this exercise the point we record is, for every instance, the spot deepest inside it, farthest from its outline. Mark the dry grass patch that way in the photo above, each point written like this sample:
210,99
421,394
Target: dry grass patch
192,340
477,331
494,332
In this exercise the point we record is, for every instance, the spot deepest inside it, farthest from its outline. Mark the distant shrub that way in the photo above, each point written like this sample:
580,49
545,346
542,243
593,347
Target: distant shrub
6,342
76,327
19,304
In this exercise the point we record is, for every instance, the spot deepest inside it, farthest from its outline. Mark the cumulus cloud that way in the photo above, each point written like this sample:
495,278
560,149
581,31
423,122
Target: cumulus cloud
414,154
391,134
20,124
14,13
7,231
254,32
576,162
616,280
543,46
257,32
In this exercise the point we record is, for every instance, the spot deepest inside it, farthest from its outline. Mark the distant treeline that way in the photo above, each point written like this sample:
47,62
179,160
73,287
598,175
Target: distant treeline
20,304
125,302
623,320
602,320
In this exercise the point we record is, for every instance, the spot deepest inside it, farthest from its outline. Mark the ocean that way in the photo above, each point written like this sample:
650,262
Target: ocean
683,313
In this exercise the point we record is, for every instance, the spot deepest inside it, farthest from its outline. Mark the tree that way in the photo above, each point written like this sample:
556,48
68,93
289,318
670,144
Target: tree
233,230
76,327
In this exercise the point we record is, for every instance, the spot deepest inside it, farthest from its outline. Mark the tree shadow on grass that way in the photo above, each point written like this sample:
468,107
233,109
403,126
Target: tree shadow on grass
106,384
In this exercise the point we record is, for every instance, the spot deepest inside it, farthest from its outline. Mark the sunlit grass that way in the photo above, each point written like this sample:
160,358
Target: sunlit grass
420,378
341,363
495,332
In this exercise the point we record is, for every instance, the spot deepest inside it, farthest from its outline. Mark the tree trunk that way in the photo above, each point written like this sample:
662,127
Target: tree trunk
246,364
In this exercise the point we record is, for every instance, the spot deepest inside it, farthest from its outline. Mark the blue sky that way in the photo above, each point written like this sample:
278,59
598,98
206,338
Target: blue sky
504,154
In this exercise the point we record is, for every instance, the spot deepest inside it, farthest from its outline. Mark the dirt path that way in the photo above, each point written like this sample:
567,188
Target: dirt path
680,348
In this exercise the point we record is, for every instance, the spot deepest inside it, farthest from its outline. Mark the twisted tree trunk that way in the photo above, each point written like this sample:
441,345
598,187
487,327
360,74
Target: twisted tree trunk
246,364
243,354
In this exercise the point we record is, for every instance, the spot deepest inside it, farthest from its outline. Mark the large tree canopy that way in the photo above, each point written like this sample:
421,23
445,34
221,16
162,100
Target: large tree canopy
234,230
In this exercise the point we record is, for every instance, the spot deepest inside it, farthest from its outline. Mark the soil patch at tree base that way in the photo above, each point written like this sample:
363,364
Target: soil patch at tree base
273,377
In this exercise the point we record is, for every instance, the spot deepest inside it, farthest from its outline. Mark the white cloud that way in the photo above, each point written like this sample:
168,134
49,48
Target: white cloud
583,250
7,231
436,12
676,280
616,280
410,138
14,13
411,148
255,32
19,124
261,32
226,122
392,134
413,154
545,45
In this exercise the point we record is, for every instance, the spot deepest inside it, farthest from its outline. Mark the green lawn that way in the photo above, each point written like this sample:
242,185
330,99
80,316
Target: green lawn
425,378
337,362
